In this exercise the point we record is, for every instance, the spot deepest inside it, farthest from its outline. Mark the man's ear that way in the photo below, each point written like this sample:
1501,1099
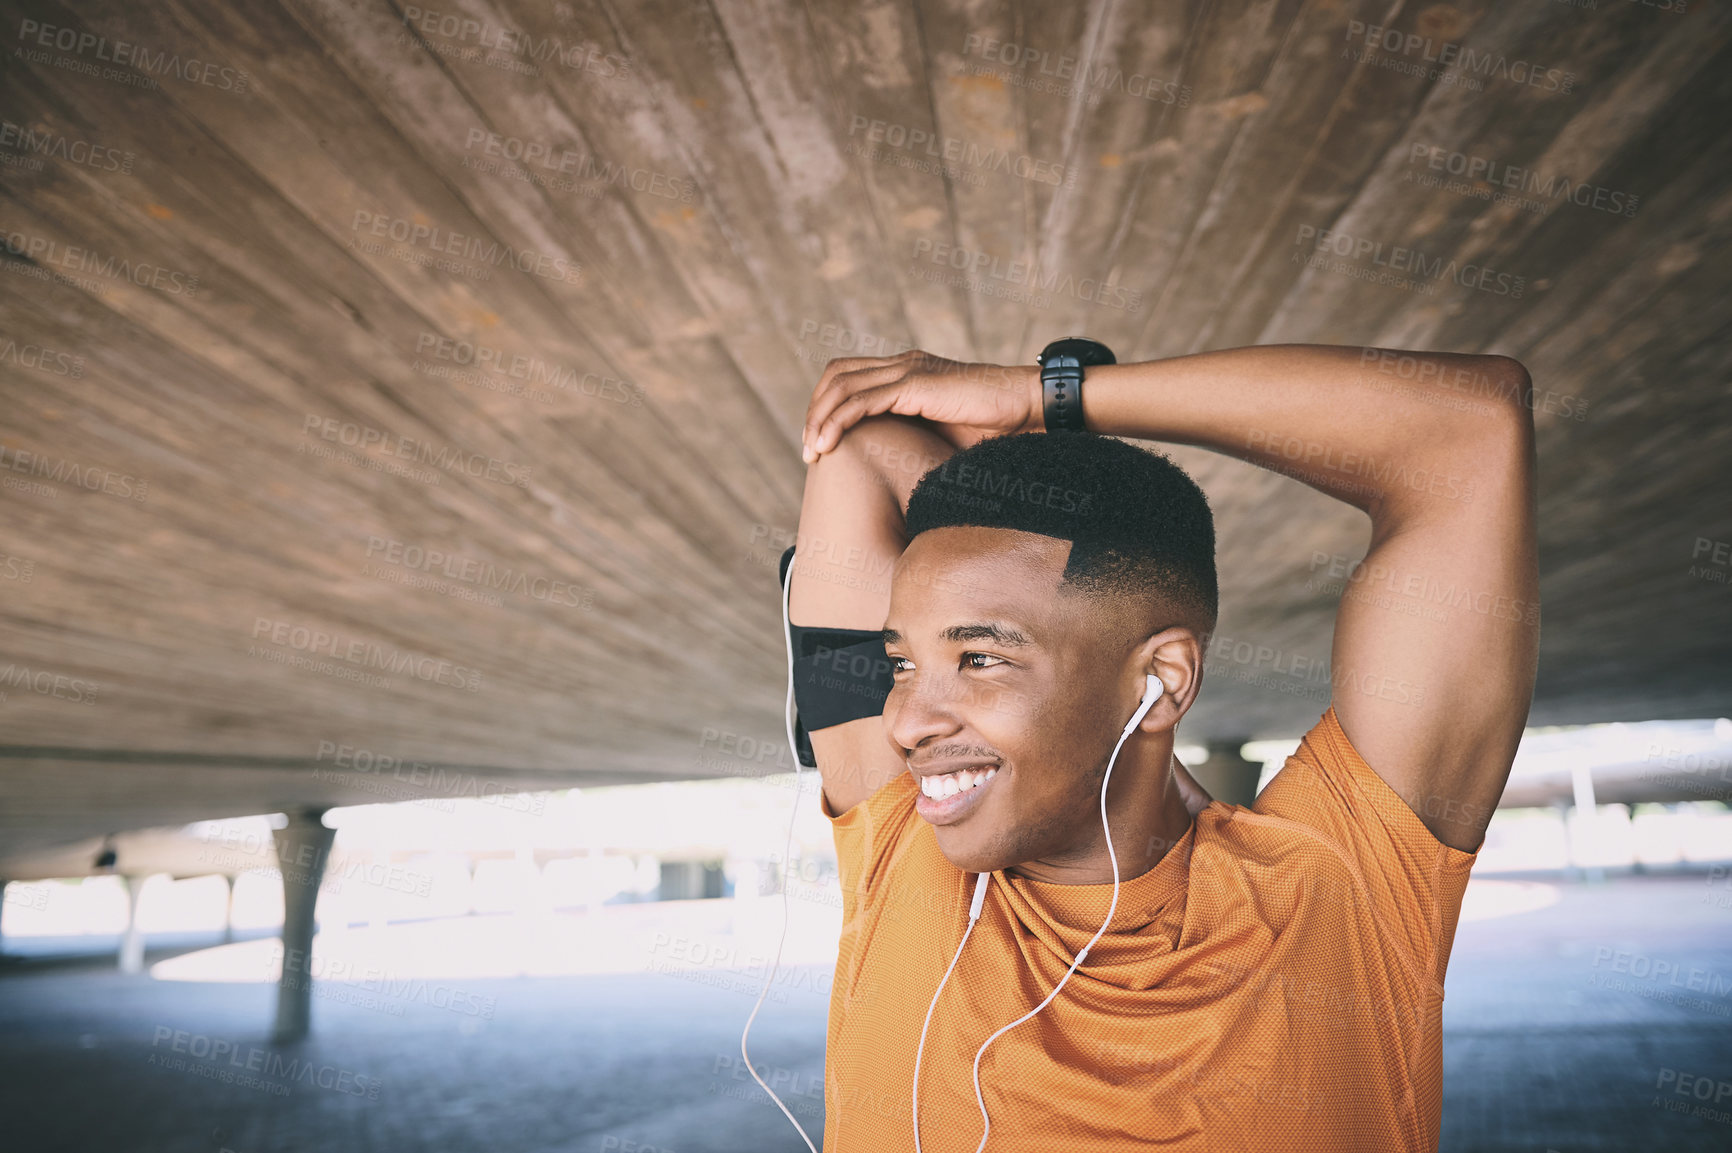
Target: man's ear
1175,656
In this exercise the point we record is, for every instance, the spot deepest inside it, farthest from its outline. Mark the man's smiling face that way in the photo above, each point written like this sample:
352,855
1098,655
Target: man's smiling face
1008,683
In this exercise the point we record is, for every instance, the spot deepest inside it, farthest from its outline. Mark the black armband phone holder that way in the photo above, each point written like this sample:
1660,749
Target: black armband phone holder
840,675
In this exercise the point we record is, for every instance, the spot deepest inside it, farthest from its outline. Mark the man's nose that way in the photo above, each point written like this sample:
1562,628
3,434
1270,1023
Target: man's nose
922,708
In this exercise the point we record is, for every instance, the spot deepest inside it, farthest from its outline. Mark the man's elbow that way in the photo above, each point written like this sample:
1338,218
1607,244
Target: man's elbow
1506,395
1503,437
1510,381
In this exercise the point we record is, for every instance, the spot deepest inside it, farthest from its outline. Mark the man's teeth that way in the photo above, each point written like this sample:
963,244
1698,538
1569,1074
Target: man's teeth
949,784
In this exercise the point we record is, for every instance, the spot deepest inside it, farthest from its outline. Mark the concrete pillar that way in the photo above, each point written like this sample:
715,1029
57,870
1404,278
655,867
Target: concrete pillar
131,940
1587,817
1226,775
1562,809
303,847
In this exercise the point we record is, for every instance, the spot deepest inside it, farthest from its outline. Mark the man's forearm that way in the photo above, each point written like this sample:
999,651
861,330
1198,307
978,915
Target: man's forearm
851,528
1379,429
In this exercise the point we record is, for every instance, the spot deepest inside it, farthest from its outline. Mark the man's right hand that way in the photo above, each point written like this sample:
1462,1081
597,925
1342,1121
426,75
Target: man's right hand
964,402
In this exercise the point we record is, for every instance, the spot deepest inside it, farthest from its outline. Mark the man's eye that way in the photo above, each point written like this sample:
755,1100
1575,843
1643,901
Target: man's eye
969,657
899,664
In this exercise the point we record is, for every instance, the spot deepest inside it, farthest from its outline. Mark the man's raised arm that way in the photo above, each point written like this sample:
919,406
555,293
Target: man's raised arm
1438,449
851,534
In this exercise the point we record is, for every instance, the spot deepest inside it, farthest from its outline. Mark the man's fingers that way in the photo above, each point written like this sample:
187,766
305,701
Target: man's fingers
853,409
869,374
840,364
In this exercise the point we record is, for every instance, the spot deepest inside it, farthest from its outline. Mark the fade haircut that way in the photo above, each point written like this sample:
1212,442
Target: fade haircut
1138,524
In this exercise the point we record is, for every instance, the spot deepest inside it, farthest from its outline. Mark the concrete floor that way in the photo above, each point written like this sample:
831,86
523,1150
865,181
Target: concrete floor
1559,1036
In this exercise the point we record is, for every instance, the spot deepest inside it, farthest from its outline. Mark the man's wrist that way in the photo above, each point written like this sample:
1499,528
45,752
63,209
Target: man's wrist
1036,393
1064,365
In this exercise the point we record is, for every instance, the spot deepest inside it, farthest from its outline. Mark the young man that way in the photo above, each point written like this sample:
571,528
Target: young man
1272,977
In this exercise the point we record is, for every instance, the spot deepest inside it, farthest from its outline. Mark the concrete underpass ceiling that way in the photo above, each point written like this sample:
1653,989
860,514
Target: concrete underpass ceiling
261,282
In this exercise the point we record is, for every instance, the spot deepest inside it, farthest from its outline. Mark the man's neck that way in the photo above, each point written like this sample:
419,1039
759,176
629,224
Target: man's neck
1146,823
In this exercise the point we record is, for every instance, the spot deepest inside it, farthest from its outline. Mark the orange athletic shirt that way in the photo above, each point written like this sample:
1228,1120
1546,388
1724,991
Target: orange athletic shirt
1275,982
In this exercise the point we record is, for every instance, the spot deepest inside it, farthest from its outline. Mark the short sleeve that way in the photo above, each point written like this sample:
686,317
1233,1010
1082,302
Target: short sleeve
867,837
1413,882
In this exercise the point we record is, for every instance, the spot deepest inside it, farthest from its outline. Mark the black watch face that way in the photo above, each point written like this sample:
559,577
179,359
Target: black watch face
1083,350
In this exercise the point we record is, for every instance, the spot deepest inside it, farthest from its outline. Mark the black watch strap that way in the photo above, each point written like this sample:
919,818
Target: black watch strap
1061,375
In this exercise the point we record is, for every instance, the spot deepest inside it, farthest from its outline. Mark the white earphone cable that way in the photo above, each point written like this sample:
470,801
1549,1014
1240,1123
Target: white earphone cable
788,723
1142,710
973,916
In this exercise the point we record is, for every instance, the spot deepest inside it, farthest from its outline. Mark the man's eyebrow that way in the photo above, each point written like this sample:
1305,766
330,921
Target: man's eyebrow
987,631
983,631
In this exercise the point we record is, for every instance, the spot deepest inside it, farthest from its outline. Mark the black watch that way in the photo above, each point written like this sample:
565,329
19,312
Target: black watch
1061,376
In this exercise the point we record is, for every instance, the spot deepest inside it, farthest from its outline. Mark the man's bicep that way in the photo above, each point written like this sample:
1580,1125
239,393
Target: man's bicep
1437,637
855,760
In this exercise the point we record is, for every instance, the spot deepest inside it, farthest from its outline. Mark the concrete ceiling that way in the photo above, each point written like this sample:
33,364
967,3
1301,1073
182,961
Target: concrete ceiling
328,288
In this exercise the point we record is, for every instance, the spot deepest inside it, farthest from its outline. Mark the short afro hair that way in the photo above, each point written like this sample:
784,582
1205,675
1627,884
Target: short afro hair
1138,524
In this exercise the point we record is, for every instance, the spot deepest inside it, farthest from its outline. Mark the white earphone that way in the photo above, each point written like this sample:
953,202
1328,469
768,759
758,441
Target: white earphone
1151,694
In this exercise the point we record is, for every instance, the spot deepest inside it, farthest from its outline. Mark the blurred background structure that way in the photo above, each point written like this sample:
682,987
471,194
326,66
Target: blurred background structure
400,430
